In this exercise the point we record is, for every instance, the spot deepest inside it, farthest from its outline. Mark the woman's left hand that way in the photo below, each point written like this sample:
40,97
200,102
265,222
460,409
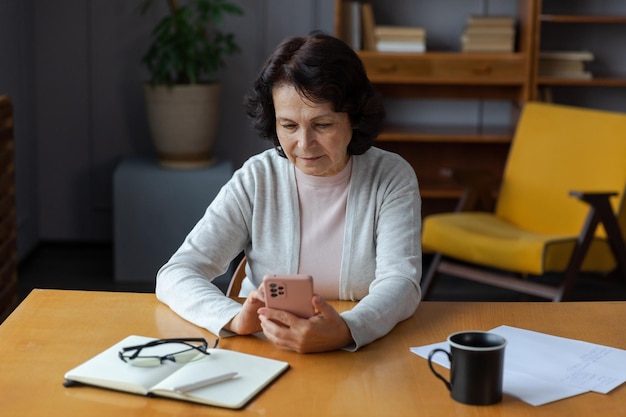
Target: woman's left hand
322,332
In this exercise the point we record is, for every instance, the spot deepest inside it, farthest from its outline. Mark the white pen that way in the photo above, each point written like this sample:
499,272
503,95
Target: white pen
182,389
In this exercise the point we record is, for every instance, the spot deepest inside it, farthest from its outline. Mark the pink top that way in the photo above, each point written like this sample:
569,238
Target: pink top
322,221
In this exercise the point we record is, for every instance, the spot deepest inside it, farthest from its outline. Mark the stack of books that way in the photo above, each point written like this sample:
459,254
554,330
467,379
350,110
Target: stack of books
565,64
361,32
489,34
400,39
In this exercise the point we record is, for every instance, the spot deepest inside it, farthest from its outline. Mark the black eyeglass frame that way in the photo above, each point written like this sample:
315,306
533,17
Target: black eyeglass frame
169,356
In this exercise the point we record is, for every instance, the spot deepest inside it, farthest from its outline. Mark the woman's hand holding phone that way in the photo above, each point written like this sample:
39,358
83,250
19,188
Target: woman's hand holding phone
296,319
247,320
289,292
324,330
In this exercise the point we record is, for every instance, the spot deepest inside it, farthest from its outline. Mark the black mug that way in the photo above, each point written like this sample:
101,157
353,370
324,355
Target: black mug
476,367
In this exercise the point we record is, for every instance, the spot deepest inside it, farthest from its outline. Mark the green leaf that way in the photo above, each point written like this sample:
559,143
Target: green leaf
187,45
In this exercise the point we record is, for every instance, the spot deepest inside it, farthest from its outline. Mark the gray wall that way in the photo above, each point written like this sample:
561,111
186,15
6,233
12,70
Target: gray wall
72,68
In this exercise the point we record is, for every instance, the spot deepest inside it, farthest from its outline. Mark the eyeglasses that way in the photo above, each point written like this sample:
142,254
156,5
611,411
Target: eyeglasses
184,350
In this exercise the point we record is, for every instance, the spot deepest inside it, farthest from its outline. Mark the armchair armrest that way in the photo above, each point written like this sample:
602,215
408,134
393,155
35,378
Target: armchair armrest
600,211
592,197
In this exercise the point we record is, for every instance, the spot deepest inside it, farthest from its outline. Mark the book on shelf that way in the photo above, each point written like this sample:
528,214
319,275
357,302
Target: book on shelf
400,46
565,64
253,373
489,30
487,38
400,39
488,34
551,65
400,31
491,20
488,43
581,75
567,55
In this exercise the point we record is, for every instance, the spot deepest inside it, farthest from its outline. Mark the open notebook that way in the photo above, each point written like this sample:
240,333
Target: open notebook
254,373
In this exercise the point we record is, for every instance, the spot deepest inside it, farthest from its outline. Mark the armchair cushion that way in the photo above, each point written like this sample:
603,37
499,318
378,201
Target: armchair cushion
484,239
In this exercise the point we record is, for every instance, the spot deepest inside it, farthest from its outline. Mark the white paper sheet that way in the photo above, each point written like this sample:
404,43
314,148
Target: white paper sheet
541,368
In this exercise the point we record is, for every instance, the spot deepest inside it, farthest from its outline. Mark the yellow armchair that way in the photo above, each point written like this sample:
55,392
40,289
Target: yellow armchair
560,208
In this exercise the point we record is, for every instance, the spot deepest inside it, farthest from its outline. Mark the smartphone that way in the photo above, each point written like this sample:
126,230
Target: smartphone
290,292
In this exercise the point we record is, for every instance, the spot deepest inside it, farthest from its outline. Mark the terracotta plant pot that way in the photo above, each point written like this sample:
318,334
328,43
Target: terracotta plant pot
183,120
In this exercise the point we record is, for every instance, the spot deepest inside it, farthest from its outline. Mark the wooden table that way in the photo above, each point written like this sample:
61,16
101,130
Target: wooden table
53,330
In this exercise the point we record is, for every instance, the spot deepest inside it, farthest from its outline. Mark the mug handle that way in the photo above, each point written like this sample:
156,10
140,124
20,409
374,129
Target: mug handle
430,365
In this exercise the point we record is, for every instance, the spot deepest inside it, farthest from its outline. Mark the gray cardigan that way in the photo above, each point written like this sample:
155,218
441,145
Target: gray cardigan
257,211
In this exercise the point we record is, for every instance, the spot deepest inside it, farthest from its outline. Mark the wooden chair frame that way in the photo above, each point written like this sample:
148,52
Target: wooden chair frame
238,276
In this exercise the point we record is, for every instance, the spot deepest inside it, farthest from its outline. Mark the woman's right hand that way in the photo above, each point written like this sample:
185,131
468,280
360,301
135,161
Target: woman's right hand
247,320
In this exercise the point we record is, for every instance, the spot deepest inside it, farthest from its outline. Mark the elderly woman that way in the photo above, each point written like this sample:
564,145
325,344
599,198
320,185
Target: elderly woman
321,202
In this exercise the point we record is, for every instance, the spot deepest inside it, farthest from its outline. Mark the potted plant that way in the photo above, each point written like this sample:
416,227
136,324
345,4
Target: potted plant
182,95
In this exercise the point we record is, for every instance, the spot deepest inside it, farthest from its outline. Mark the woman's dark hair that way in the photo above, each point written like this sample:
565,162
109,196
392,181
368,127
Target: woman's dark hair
323,69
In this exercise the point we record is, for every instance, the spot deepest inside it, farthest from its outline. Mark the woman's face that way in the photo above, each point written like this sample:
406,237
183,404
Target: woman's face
313,136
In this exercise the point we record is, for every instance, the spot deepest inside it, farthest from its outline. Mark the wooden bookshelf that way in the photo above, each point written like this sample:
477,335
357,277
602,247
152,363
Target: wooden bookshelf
561,14
433,150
